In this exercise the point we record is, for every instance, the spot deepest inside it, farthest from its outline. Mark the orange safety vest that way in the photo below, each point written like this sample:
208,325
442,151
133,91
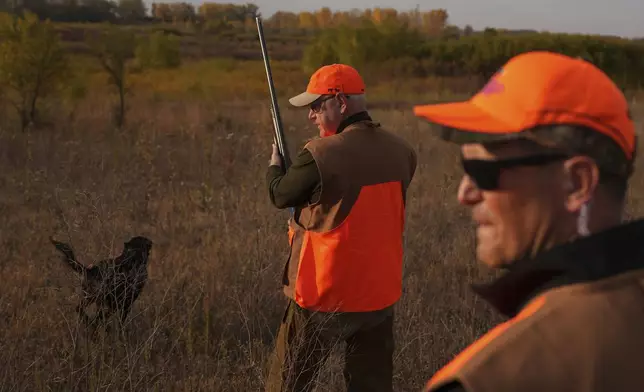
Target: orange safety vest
346,249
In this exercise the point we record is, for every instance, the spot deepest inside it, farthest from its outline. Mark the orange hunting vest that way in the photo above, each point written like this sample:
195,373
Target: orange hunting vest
346,248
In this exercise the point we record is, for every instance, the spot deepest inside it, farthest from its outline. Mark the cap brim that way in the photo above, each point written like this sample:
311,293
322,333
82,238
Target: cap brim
465,122
304,99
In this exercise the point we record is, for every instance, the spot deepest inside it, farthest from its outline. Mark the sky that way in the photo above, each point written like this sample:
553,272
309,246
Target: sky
616,17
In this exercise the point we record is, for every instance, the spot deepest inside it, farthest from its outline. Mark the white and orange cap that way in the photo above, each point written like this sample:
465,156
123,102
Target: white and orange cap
330,79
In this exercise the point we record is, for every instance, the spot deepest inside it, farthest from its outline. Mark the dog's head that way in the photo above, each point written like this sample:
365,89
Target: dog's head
139,244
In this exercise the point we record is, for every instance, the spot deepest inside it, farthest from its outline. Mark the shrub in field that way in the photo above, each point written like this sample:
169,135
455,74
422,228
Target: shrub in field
32,63
114,47
159,50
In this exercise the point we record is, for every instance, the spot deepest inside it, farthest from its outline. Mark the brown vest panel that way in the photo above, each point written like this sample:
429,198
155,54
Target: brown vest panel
581,337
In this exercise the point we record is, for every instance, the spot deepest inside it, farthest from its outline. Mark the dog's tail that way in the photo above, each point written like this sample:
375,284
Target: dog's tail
69,256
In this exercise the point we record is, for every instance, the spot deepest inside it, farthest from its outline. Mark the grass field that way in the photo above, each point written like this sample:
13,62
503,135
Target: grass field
188,171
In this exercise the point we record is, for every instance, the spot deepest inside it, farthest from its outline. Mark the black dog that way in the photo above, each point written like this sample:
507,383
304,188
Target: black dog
113,284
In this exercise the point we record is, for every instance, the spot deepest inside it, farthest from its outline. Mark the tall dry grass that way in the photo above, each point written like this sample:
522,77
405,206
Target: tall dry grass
190,175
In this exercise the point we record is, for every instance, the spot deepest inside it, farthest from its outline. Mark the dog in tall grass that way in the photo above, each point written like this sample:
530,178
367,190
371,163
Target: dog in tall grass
112,284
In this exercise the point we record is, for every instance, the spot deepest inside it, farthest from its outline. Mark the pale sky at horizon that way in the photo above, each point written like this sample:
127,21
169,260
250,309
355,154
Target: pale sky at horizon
618,17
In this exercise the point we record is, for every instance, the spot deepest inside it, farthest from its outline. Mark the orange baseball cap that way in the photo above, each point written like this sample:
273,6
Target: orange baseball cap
540,88
330,79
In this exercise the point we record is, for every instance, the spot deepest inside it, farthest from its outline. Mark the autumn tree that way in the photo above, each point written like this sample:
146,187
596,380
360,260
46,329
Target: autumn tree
162,12
367,15
247,11
376,15
182,12
362,46
306,20
389,15
210,11
228,12
412,18
324,17
114,47
406,18
341,18
283,20
32,63
435,21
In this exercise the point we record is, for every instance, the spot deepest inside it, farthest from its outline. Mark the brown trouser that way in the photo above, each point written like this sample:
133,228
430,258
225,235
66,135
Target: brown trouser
306,338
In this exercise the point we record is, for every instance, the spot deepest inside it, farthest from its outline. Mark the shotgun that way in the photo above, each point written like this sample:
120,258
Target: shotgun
278,135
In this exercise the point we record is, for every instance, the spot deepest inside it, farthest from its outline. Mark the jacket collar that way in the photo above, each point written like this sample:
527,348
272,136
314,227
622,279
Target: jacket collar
598,256
352,119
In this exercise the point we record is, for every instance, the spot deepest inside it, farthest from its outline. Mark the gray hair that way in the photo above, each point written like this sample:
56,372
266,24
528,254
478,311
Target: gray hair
577,139
614,166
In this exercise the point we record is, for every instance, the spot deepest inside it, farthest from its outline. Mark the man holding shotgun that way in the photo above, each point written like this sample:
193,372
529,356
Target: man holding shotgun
344,271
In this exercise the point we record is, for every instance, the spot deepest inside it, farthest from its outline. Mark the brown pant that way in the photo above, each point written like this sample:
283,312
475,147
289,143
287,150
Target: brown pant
306,338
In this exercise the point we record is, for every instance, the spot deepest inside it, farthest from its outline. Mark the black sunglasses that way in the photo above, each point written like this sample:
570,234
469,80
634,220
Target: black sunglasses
316,106
485,173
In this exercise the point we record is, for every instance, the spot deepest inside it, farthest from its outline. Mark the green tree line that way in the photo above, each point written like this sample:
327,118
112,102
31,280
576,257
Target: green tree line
218,16
132,11
480,54
88,11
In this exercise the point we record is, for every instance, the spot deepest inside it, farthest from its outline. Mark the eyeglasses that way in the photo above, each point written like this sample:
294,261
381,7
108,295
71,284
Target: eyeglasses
316,106
486,173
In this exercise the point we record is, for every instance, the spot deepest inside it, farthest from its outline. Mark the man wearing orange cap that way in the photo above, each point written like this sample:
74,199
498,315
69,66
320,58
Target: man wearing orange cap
547,149
344,272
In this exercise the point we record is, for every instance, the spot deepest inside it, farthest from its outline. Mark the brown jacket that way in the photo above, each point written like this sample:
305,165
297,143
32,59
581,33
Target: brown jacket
576,322
365,172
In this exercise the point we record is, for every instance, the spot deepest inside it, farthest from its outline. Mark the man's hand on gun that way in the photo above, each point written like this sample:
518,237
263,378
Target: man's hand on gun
276,158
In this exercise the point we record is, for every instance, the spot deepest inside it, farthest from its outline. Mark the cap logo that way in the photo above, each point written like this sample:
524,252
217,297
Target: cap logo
494,86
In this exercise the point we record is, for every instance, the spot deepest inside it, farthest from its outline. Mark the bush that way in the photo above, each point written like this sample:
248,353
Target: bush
159,50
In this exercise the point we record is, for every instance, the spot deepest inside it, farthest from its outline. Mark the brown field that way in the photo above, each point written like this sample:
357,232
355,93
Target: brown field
189,173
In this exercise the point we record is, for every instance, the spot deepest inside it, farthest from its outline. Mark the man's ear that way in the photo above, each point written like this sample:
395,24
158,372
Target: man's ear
342,101
582,179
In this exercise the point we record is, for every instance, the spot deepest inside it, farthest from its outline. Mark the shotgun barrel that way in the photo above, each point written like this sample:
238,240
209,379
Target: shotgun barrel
278,134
